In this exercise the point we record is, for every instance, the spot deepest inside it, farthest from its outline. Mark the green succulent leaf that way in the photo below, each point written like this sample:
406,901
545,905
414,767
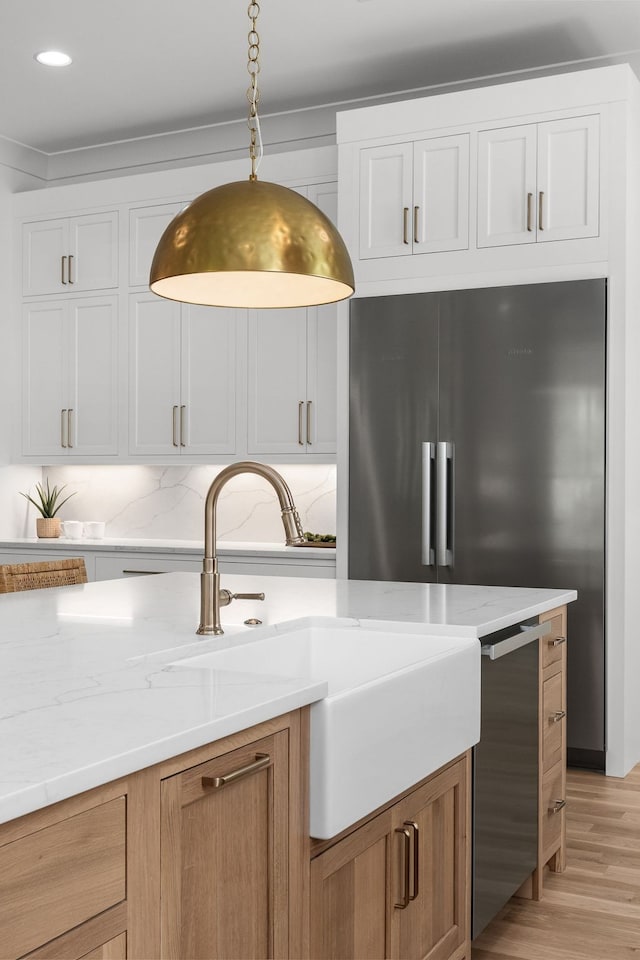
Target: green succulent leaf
48,502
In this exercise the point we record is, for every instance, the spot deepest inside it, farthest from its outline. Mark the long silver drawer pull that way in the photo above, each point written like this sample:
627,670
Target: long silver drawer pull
444,504
540,202
70,265
63,421
527,635
300,406
557,716
309,402
557,641
428,461
62,263
182,426
529,205
143,572
558,805
261,761
174,427
416,210
405,233
69,427
406,873
415,889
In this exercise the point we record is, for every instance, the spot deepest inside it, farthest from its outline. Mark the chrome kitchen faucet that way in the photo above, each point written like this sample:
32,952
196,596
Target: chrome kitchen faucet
212,597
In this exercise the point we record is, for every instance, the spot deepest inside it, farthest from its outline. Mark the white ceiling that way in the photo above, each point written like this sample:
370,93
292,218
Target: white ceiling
144,67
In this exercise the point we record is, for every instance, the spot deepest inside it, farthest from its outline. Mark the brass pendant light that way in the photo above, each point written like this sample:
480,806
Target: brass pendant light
251,243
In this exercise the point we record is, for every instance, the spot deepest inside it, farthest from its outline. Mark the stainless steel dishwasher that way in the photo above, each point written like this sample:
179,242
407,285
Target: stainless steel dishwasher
505,769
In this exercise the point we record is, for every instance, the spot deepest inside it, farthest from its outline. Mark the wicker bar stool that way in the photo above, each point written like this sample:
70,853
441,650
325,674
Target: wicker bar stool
34,576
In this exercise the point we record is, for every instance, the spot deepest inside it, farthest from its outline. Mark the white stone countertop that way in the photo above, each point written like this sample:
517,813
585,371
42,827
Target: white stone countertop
87,694
226,548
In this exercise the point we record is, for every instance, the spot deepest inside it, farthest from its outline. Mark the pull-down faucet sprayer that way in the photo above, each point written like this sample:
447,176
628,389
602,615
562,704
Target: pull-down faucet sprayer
211,596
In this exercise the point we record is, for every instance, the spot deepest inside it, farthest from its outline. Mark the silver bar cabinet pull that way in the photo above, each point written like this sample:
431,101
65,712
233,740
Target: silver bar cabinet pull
540,202
70,265
557,716
416,238
69,427
405,225
557,641
558,805
414,890
300,406
62,263
63,422
261,761
182,426
428,461
309,402
142,573
174,427
406,871
529,210
444,506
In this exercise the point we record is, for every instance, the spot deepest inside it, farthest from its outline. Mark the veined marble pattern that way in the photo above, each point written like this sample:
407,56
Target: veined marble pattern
168,502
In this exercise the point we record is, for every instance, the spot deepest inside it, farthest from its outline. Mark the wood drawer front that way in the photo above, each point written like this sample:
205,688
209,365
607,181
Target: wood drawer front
551,649
553,720
58,877
553,790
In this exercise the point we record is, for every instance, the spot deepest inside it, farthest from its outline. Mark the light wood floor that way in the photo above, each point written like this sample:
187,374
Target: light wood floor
592,911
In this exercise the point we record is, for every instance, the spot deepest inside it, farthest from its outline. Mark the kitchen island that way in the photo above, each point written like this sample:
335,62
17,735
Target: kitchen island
89,698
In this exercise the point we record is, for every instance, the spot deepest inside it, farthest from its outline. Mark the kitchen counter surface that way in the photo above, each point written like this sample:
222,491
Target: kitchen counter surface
226,548
87,693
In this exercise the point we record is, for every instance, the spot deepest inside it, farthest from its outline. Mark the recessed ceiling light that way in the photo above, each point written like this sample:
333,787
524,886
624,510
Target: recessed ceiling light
53,58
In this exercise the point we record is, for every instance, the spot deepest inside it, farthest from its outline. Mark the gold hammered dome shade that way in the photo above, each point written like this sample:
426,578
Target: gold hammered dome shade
252,244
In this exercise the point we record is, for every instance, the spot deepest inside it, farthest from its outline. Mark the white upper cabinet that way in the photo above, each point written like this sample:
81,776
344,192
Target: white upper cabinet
70,378
70,255
182,378
414,197
539,182
146,226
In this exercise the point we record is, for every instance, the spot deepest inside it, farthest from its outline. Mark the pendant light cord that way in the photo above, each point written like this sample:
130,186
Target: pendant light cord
253,94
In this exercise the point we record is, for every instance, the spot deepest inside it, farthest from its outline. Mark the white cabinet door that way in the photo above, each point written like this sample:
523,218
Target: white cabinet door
386,200
441,194
507,186
568,178
146,226
44,377
70,255
154,375
44,244
277,381
208,394
93,377
93,252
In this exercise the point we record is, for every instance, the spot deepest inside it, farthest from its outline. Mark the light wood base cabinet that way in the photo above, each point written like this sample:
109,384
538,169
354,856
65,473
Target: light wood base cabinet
398,885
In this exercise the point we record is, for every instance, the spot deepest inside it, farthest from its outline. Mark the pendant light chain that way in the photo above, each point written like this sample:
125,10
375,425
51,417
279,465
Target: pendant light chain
253,94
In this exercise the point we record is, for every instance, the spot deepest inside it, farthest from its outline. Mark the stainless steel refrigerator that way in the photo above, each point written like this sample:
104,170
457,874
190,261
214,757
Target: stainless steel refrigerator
477,455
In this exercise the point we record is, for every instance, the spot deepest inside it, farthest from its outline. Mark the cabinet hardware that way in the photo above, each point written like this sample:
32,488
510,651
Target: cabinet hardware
415,889
557,716
261,761
405,225
557,641
428,466
415,224
406,867
174,427
143,572
309,402
558,805
63,421
69,427
300,406
69,270
529,211
62,262
540,202
182,426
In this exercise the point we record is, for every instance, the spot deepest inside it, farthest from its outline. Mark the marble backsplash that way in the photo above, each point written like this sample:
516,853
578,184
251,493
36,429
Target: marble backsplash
168,502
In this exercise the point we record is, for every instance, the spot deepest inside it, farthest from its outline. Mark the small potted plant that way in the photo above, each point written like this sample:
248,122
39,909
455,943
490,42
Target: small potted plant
48,504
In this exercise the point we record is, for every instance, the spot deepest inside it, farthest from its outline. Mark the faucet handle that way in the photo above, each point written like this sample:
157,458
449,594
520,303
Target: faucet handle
247,596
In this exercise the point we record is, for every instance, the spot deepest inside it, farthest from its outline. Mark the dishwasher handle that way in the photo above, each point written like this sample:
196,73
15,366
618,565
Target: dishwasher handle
526,635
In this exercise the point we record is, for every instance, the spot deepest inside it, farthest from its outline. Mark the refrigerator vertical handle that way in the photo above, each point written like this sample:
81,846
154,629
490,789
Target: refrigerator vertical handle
444,504
428,462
